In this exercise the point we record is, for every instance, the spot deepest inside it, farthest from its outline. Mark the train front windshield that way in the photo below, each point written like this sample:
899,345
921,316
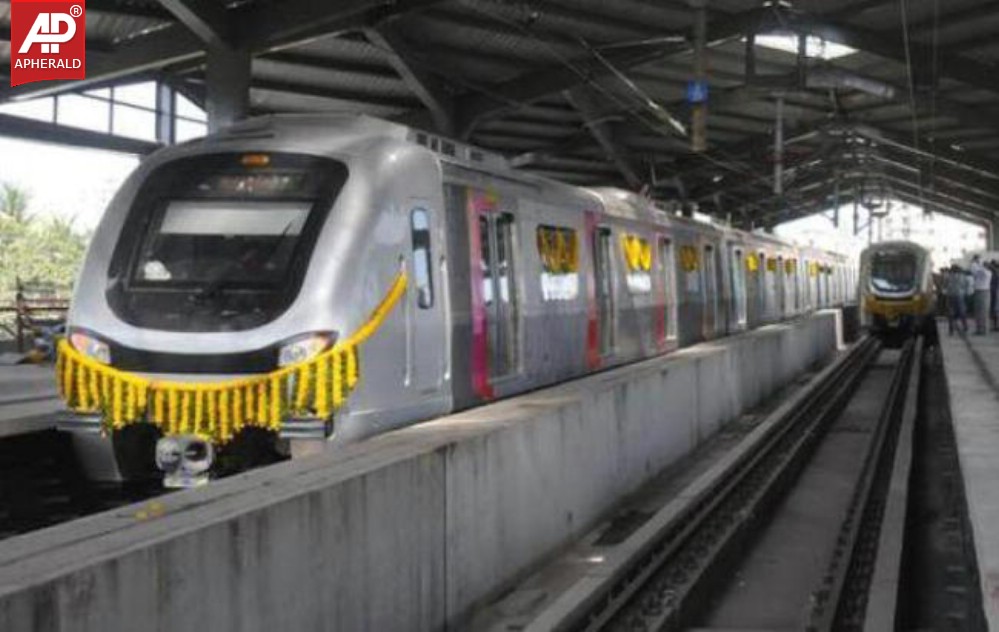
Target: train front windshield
893,271
221,242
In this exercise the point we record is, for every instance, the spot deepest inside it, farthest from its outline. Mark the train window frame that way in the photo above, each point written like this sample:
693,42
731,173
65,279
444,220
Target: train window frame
710,268
603,253
559,271
739,299
421,243
502,310
667,270
159,305
637,266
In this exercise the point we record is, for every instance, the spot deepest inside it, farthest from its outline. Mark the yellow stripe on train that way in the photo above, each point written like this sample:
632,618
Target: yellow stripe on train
917,305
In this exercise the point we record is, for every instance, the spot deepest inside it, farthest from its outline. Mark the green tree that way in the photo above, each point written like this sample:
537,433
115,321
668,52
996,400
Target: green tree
35,250
14,203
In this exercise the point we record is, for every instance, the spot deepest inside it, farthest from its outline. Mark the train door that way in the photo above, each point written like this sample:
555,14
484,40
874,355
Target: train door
667,263
710,286
766,287
427,344
737,273
603,262
499,293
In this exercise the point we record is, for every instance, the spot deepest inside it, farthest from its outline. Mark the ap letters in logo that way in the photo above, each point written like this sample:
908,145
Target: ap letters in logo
47,41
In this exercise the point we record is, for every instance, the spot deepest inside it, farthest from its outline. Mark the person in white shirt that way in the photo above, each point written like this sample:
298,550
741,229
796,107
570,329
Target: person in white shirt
982,278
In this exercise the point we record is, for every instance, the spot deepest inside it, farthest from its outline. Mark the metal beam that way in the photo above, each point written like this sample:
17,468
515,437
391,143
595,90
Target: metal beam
263,28
537,84
269,26
29,129
968,71
206,19
332,93
227,84
428,87
137,55
129,9
857,8
597,124
926,25
472,109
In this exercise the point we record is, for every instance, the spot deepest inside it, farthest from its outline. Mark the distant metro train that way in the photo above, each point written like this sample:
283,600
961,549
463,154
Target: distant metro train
897,292
321,279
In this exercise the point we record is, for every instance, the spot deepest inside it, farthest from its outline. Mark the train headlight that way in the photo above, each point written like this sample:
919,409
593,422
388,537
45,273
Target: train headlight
90,346
305,348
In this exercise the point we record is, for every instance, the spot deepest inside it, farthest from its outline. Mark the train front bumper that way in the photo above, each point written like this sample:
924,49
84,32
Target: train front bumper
893,311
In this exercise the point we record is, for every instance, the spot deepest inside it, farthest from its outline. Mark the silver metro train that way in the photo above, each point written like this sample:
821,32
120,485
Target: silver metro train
314,280
898,296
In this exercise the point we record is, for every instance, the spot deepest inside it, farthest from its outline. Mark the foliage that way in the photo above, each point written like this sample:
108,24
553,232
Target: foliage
38,251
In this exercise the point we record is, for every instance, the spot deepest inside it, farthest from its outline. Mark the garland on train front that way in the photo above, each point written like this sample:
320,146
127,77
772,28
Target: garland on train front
218,411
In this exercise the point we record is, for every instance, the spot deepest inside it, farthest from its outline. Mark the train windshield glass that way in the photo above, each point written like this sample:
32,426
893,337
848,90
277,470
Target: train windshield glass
249,244
893,271
217,242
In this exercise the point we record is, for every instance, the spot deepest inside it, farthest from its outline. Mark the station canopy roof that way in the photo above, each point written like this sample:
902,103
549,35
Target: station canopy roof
880,98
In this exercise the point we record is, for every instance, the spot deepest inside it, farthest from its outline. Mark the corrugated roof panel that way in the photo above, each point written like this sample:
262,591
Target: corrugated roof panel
330,78
278,101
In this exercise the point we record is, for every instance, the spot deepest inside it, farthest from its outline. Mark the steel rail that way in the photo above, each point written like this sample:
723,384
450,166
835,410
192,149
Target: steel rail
841,603
676,552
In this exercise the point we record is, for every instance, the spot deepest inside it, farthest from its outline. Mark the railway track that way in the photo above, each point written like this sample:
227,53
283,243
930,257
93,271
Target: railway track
737,550
41,484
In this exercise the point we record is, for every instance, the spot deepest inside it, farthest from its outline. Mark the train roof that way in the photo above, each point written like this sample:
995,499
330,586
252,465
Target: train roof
898,244
357,128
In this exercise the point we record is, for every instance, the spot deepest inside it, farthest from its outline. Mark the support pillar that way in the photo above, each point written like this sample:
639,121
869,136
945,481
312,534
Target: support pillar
227,86
779,148
699,109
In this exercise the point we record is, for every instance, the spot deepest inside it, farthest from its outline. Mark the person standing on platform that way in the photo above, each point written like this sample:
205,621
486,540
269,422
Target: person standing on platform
982,277
969,293
994,295
954,286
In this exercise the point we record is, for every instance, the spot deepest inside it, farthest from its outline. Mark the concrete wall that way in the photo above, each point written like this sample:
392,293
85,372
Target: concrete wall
409,531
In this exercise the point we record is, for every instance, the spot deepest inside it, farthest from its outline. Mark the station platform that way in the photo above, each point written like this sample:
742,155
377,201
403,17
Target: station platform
972,369
410,530
28,398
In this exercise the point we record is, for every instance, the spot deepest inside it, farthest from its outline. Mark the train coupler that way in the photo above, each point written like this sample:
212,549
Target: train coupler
185,460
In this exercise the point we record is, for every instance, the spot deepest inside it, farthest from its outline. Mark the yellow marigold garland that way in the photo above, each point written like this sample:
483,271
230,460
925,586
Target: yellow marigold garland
218,410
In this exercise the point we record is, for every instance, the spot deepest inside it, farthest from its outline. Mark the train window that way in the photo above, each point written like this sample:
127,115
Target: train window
422,276
558,251
211,244
893,271
638,263
738,274
668,270
603,278
499,292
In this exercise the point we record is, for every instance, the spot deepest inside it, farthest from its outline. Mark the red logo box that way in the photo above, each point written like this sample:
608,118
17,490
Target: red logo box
48,40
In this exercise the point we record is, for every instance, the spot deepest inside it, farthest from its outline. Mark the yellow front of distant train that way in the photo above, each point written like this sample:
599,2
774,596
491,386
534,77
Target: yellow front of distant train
897,293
